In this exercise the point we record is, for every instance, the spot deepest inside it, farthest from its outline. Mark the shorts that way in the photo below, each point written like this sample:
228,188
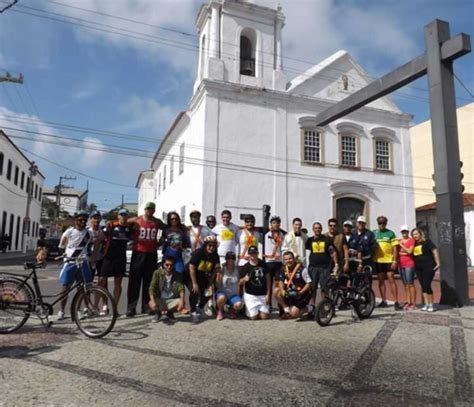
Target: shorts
113,267
319,275
407,274
169,304
230,301
254,304
382,268
274,268
69,273
299,302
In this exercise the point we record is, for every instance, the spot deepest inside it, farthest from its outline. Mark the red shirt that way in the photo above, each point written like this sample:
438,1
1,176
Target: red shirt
145,238
406,260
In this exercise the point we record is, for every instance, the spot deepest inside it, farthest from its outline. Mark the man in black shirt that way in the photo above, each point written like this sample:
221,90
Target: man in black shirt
203,267
322,251
257,286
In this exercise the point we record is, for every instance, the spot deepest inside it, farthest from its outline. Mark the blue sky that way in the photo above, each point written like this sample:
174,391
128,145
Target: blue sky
101,80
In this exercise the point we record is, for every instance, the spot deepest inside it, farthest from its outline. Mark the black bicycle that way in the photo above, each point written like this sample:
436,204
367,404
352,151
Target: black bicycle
93,308
358,297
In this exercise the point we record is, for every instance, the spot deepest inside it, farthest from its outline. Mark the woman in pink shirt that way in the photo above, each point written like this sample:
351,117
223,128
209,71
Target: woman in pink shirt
407,268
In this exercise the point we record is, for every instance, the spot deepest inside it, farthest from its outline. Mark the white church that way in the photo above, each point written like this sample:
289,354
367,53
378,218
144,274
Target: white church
249,136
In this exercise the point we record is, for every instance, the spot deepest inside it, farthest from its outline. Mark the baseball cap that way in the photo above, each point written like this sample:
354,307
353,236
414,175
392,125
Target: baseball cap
94,213
253,250
194,210
81,214
362,219
348,223
404,227
150,205
123,211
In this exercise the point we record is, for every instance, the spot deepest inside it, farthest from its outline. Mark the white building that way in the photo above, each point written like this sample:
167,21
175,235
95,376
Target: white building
14,184
249,136
146,189
71,200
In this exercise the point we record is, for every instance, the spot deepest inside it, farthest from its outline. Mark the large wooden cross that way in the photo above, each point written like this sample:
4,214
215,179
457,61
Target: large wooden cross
437,63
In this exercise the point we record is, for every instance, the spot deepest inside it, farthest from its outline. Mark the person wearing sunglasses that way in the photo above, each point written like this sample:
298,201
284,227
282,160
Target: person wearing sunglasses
174,240
386,260
246,237
166,292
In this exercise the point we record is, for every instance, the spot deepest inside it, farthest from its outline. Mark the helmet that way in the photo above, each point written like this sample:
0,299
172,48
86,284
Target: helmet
211,240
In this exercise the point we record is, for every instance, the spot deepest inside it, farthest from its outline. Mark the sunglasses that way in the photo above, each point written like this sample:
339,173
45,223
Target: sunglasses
249,221
173,218
332,226
382,223
168,264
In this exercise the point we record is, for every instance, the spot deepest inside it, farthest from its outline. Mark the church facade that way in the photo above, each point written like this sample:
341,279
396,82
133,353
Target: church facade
249,136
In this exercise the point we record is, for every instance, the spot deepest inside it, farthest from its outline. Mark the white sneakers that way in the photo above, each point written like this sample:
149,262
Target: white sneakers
428,308
61,315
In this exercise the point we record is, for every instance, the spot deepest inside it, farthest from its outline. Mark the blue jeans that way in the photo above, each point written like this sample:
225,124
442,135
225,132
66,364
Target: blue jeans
407,274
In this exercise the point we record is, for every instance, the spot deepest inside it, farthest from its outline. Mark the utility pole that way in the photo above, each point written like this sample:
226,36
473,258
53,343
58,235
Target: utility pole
8,78
59,189
33,170
121,206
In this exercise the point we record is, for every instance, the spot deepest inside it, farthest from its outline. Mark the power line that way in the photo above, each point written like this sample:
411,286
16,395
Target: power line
184,46
464,86
13,104
8,6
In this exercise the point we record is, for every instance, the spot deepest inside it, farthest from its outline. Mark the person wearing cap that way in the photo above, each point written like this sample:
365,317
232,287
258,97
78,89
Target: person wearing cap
340,244
226,233
76,241
203,267
352,241
117,234
144,257
246,237
321,253
97,235
197,232
386,260
295,241
293,288
272,244
407,267
366,245
228,288
255,279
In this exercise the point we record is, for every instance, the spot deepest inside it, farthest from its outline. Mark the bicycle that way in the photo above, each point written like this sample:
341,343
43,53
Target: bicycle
359,297
18,300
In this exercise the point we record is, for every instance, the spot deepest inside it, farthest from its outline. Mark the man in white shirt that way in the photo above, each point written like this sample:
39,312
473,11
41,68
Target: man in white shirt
226,233
246,237
295,241
197,232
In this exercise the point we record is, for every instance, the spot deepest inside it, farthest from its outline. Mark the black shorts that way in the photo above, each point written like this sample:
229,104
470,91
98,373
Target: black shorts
382,268
112,267
274,268
319,275
299,302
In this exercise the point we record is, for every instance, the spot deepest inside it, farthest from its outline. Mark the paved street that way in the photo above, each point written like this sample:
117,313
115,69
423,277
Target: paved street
391,359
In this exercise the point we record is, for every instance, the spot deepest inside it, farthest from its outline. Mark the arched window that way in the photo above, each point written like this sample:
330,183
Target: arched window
247,52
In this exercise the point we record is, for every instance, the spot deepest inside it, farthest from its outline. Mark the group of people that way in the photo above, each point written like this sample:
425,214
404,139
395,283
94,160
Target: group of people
243,268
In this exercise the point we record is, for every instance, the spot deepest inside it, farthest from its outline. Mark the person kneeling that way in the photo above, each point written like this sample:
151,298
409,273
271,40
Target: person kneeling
228,288
293,290
256,280
166,292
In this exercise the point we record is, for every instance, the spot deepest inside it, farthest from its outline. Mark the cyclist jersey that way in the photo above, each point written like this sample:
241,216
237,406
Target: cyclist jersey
95,233
145,238
386,241
78,242
226,236
117,236
272,246
197,234
245,239
300,279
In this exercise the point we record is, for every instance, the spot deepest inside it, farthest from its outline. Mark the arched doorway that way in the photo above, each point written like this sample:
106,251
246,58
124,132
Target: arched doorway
349,208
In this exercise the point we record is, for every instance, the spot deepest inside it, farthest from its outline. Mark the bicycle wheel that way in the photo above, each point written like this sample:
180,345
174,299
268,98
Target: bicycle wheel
15,304
324,312
366,303
94,311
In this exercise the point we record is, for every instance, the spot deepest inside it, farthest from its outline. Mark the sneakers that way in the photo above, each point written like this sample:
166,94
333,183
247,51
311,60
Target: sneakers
155,318
412,307
170,315
397,307
61,315
210,309
406,307
104,312
382,304
430,308
424,307
220,315
131,313
196,317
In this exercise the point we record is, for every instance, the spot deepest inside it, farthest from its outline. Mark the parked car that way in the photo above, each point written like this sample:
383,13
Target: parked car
52,244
